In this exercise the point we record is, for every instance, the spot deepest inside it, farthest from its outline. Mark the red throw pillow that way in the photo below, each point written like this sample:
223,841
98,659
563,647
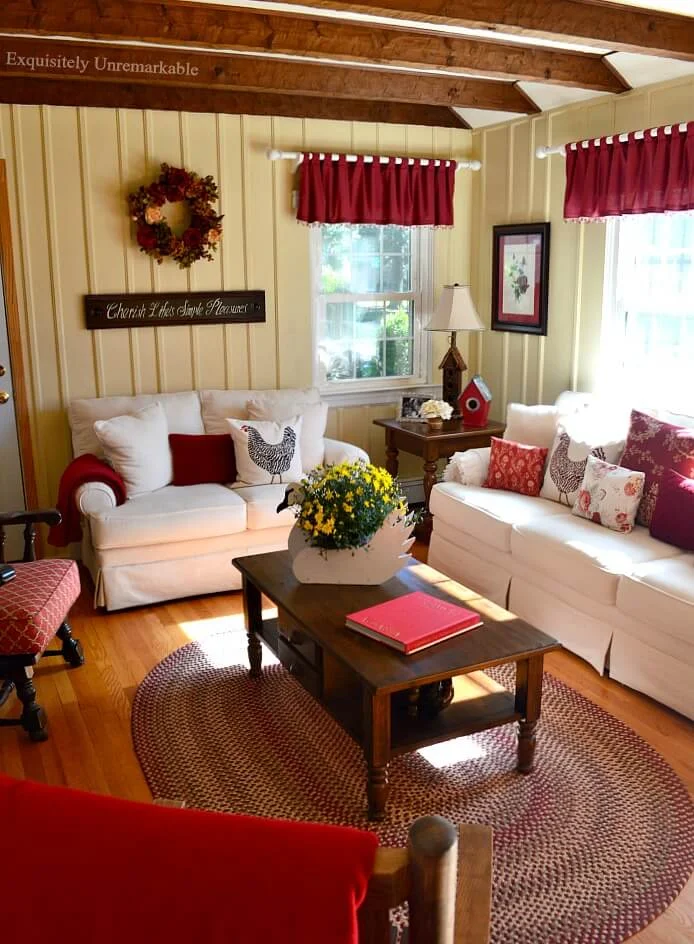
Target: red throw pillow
653,447
673,515
200,459
515,467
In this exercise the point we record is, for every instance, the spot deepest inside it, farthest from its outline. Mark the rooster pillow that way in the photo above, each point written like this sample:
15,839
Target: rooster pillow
267,453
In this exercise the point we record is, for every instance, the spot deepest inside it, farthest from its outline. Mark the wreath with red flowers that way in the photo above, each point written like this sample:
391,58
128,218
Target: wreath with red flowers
154,235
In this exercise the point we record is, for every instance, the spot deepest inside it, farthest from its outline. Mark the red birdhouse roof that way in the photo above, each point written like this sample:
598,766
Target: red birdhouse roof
480,386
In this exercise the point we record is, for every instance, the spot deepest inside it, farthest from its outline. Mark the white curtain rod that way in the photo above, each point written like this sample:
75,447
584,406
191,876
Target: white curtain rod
542,152
273,155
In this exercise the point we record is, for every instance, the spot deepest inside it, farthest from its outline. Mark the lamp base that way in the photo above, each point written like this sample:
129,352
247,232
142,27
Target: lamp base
452,366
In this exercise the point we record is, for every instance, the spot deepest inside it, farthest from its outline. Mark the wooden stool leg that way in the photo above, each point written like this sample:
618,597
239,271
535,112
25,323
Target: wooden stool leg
33,718
72,648
6,689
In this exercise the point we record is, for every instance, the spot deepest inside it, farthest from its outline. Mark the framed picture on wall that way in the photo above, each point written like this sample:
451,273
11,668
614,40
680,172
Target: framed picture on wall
520,278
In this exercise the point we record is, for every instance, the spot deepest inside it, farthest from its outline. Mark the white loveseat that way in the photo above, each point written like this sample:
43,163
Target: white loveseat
180,541
623,602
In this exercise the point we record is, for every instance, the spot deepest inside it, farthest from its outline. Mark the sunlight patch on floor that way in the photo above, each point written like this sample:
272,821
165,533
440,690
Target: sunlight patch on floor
452,752
210,626
223,640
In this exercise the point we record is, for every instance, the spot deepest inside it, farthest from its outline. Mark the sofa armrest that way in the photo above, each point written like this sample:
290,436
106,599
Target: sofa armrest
336,451
93,497
468,468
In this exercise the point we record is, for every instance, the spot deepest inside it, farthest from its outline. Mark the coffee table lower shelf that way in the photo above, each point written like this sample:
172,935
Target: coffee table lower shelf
342,695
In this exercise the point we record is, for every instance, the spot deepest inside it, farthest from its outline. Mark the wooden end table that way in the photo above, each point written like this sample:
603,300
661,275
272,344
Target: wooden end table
432,444
360,681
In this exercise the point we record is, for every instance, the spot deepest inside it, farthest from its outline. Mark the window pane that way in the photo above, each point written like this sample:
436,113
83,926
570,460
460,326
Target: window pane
339,320
336,259
366,239
396,273
368,357
396,239
369,319
337,359
366,274
398,358
654,313
399,319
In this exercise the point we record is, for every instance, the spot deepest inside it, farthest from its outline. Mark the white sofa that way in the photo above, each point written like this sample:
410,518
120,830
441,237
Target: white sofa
623,602
180,541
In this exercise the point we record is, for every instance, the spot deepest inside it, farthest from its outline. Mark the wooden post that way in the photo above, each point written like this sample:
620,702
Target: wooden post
433,857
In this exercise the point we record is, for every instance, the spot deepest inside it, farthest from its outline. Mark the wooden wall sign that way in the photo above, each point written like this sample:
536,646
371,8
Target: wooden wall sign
173,308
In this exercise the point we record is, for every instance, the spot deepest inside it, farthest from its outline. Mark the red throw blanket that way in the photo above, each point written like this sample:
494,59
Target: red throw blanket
86,468
138,873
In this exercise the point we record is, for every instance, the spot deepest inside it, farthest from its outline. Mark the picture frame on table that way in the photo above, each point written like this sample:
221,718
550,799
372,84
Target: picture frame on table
409,407
520,278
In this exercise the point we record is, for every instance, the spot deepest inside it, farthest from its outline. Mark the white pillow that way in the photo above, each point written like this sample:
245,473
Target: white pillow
314,420
468,468
566,464
267,452
137,447
609,495
531,425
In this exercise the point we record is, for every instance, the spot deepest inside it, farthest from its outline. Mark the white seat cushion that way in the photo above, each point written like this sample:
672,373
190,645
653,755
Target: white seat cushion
487,513
170,514
182,416
582,555
261,506
661,593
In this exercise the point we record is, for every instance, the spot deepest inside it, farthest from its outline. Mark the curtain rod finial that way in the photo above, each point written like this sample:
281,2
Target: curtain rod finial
273,154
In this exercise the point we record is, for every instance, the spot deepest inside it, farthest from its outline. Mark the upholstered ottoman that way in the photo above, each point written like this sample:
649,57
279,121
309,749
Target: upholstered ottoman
33,609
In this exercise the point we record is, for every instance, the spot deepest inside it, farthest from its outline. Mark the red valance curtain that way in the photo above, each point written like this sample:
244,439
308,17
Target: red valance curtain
402,193
649,174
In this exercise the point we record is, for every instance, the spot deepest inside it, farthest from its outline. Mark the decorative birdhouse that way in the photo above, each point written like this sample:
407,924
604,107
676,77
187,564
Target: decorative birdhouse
452,367
474,403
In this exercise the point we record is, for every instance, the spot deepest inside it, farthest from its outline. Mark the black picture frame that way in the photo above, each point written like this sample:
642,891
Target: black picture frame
520,265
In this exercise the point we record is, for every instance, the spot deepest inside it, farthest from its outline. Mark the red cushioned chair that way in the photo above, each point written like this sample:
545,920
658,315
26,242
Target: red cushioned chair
34,606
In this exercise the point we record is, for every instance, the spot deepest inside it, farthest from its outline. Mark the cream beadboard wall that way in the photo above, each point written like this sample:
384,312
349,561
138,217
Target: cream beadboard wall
515,187
69,172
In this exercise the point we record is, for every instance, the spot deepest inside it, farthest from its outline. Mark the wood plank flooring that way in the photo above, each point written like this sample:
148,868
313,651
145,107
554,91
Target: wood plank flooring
89,712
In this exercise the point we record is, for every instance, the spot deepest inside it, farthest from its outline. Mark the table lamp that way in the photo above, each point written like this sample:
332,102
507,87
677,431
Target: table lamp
455,312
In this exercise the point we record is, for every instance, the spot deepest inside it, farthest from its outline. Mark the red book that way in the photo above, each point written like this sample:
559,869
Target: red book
413,622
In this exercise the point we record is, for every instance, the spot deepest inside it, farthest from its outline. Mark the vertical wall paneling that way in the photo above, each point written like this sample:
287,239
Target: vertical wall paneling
70,171
232,203
514,187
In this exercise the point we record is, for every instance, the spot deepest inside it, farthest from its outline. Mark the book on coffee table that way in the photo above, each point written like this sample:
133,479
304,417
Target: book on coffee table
413,621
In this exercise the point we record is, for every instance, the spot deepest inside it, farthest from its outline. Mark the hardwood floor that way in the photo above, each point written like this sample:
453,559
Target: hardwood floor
89,712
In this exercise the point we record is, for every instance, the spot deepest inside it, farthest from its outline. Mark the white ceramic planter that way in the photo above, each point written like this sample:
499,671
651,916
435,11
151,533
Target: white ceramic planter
376,562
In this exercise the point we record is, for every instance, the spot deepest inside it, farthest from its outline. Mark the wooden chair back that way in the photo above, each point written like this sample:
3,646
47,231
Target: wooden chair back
444,874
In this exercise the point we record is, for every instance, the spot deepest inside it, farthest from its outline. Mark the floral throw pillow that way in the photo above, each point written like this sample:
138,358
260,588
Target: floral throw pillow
609,495
652,447
515,467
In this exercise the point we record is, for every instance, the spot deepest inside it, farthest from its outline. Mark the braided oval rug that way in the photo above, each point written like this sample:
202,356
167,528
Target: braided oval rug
588,849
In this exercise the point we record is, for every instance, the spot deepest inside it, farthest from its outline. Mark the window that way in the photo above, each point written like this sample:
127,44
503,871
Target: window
371,292
648,345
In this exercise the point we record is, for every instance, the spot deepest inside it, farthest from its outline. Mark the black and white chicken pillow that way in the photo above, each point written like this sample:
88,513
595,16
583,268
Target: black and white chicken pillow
266,452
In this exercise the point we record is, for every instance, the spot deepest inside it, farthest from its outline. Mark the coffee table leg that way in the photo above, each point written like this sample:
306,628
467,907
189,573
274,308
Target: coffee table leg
528,702
253,613
376,715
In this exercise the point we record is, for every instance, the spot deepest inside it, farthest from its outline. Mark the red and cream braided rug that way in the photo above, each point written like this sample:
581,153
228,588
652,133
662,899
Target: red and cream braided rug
588,849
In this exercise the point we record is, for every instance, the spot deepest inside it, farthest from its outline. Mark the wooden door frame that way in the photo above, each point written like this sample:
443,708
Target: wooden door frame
14,336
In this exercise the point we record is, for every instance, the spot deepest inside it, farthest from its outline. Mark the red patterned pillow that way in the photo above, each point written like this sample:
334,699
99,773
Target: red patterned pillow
515,467
653,447
198,460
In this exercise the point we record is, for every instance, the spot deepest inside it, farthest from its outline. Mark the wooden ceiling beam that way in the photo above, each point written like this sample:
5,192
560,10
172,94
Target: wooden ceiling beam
92,62
253,31
121,94
591,22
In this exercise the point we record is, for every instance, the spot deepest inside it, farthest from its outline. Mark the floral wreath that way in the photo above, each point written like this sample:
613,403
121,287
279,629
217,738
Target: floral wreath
154,235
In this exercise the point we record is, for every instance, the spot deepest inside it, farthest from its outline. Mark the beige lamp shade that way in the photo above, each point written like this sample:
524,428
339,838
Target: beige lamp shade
455,311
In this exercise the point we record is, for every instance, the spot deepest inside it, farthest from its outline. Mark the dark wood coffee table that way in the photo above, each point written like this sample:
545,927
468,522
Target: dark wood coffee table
370,689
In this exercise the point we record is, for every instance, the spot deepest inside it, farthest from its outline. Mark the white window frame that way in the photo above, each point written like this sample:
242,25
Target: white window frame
611,374
421,256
